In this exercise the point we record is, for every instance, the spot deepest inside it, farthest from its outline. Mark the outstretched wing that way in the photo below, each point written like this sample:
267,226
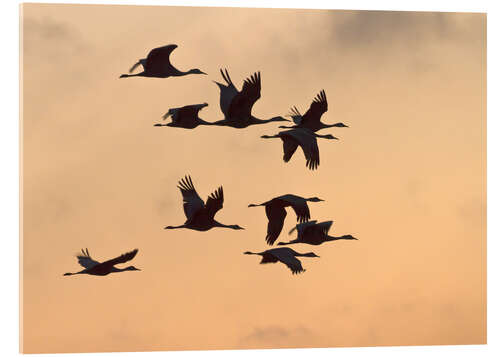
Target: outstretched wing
299,205
158,60
290,145
187,114
309,145
295,115
137,64
85,260
286,257
324,227
276,218
301,228
242,103
121,259
192,201
215,202
316,110
227,92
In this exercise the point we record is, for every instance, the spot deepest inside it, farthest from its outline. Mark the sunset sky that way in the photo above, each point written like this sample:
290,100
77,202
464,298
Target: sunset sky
407,178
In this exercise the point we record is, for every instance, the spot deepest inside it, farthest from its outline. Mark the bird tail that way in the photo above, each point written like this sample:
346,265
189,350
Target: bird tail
167,114
134,66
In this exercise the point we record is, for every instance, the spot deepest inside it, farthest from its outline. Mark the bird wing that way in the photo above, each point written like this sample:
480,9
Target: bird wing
242,103
215,202
301,227
308,144
85,260
286,256
158,60
276,218
186,114
227,92
290,145
295,115
137,64
316,110
299,205
121,259
324,227
192,201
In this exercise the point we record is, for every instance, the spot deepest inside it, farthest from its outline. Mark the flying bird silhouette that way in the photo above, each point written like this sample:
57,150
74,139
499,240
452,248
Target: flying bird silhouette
286,256
157,64
312,118
185,117
200,215
314,233
237,105
276,213
304,138
93,267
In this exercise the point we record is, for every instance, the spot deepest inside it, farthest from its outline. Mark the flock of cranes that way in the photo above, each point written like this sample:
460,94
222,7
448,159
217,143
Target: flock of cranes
236,105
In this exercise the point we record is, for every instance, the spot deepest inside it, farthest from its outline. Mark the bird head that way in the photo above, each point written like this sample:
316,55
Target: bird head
311,254
196,71
132,268
235,226
349,237
315,199
278,118
330,136
340,125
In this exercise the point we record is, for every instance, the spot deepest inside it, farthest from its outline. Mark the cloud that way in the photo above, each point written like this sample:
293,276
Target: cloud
376,28
49,38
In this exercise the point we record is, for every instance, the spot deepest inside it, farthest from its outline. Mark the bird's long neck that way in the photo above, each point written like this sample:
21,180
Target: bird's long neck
177,73
270,136
142,74
256,205
332,238
117,270
222,225
311,255
203,122
252,253
255,120
288,243
336,125
175,227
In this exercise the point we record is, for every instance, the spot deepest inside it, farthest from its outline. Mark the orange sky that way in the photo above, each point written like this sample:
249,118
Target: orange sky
407,178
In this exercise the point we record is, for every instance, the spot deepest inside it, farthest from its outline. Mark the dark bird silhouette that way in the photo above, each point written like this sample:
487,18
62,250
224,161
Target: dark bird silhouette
314,233
185,117
312,118
304,138
158,65
237,105
285,255
276,213
93,267
200,215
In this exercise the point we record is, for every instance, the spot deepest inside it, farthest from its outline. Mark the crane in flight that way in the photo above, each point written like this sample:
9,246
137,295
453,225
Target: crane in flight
237,105
200,216
286,256
93,267
276,213
157,64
